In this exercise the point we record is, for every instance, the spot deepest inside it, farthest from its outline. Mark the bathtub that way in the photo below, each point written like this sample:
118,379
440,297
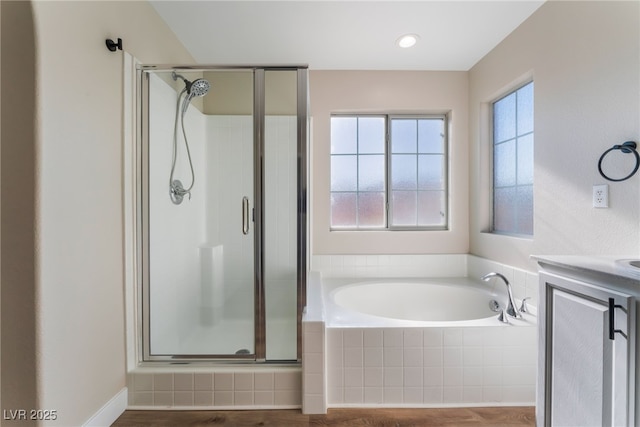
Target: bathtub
432,300
421,343
425,302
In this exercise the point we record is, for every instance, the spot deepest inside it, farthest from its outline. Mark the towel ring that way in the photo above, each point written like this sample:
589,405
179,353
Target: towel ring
626,147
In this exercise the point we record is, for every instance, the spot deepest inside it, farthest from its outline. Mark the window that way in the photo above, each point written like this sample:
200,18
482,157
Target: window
388,172
513,162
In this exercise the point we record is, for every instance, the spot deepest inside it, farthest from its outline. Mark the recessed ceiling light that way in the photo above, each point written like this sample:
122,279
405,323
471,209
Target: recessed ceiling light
407,40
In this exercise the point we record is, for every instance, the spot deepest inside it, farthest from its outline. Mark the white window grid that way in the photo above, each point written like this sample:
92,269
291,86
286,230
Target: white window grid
387,188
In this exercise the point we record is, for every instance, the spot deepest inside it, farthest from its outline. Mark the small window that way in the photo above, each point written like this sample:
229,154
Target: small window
388,172
513,162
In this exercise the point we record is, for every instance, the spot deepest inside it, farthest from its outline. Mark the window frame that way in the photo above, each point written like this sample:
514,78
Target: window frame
492,146
388,209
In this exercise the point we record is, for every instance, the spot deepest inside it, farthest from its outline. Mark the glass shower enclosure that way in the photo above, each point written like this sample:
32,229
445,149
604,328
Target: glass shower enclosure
223,217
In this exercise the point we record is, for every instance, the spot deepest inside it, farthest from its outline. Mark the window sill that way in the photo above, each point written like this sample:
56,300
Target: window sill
509,235
389,229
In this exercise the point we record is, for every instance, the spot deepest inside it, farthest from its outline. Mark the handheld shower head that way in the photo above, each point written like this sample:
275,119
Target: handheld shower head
199,87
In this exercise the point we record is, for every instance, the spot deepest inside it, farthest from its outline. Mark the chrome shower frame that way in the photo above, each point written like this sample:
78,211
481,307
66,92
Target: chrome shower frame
142,293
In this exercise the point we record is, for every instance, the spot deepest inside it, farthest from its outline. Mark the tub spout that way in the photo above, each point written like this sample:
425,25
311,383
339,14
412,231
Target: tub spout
511,306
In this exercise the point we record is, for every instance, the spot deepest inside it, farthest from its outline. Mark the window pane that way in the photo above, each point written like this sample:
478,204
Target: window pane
371,210
404,208
404,134
359,165
403,172
504,118
513,162
525,109
343,209
371,134
525,209
504,164
371,173
344,135
431,136
431,172
504,202
431,208
344,173
525,160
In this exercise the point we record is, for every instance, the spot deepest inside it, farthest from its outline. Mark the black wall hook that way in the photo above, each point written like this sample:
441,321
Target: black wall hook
112,46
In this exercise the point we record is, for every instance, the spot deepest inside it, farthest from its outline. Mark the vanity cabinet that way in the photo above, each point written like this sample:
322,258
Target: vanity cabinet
586,363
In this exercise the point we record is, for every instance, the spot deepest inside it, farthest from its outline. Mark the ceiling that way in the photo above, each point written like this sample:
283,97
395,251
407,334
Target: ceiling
343,35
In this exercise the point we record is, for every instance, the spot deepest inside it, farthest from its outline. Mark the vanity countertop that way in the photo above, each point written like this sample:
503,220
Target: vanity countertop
603,268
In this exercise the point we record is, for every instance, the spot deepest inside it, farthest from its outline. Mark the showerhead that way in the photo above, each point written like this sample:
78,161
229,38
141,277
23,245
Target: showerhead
199,87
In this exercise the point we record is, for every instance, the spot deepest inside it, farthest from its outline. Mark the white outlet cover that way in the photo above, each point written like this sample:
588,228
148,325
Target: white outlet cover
601,196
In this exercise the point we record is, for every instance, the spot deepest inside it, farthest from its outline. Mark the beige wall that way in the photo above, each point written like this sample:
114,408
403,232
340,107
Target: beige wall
584,59
73,265
389,92
18,252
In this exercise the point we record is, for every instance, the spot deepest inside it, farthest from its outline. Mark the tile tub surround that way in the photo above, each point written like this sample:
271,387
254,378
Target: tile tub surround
169,387
415,366
314,366
431,367
314,384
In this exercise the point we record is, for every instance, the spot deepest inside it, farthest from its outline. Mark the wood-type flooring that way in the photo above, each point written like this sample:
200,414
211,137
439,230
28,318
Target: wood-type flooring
432,417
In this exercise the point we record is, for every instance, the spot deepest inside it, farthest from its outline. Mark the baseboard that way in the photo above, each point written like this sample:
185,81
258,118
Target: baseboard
110,411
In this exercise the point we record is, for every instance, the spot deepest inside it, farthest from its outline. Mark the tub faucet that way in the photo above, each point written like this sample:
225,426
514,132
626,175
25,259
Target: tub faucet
511,306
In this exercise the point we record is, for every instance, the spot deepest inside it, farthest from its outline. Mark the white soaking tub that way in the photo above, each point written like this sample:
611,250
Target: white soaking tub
424,302
431,342
416,300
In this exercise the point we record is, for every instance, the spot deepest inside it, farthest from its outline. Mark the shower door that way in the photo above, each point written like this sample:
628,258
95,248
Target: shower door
224,270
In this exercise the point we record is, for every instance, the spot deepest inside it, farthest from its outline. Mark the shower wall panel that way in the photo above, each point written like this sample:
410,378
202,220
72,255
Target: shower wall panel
176,232
280,232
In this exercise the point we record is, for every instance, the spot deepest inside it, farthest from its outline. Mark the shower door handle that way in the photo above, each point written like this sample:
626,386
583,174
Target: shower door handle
245,215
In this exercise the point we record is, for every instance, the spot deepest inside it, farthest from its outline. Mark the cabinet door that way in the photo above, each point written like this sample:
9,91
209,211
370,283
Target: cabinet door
587,373
580,355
